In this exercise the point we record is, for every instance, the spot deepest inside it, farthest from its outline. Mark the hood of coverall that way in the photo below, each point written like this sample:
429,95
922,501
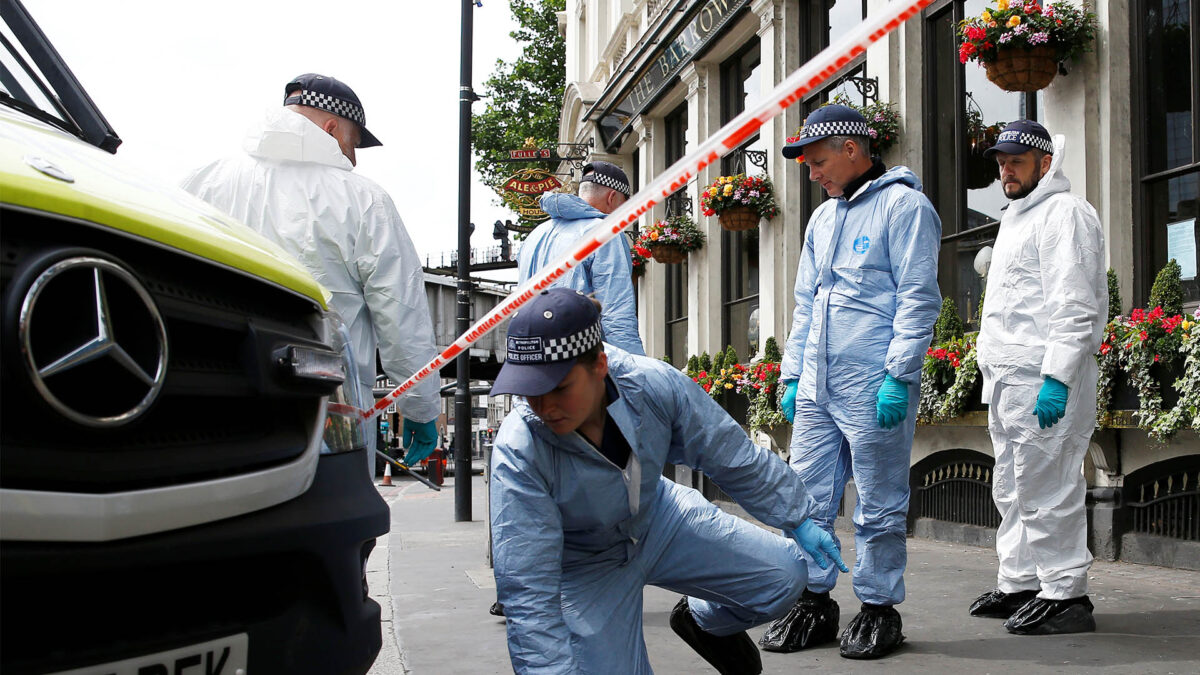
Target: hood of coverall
563,206
285,135
897,174
1053,182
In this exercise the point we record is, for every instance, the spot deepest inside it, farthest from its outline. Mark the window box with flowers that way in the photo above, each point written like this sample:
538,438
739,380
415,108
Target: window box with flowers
1023,45
1150,362
883,124
740,201
670,240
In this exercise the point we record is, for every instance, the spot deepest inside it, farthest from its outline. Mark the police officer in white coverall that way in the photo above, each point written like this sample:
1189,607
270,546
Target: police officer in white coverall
1043,319
295,185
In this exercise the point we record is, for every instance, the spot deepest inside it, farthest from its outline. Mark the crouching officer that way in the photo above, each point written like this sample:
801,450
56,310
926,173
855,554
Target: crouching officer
582,518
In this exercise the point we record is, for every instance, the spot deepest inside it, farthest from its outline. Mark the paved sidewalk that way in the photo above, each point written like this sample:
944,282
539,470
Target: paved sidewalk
431,577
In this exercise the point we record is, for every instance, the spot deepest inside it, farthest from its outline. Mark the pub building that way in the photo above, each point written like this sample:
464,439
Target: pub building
648,79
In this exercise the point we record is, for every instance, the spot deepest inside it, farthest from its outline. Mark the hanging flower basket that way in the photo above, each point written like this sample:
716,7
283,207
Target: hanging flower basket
669,241
981,171
1021,69
738,218
739,201
669,254
1022,43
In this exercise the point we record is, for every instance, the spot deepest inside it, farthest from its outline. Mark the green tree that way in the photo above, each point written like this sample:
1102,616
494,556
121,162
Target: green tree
1167,291
949,325
771,351
524,97
731,357
1114,295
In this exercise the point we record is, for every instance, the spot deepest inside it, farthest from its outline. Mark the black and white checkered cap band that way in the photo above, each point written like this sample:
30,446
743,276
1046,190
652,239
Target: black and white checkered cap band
571,346
1043,144
606,181
337,106
840,128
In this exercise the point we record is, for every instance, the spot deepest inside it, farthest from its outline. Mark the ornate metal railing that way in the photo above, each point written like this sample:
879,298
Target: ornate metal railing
1168,506
958,492
740,158
679,204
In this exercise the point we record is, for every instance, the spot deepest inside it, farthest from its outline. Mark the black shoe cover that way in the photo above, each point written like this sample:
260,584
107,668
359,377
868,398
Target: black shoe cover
996,604
813,620
729,654
1053,617
873,634
496,609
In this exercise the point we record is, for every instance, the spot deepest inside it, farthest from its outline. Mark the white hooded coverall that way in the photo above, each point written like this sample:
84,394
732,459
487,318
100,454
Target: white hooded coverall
296,187
1043,315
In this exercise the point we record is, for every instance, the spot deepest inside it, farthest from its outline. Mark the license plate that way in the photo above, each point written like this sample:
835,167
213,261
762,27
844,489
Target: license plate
225,656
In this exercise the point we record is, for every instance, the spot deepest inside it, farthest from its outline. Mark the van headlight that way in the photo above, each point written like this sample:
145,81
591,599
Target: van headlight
345,429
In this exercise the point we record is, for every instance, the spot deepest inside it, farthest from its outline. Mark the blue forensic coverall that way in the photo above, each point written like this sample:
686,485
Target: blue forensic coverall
575,538
866,301
608,273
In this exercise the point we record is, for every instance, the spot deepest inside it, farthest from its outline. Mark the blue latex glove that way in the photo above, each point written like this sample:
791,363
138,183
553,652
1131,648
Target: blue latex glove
1051,402
818,544
788,402
419,438
891,403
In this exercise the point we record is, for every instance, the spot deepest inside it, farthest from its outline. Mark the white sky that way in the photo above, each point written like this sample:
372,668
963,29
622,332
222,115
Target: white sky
181,82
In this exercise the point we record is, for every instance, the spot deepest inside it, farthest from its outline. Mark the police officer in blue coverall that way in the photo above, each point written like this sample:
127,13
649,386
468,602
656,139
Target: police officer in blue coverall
582,518
608,273
866,302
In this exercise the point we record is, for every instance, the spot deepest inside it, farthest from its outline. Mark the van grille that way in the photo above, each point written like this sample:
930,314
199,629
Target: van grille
222,411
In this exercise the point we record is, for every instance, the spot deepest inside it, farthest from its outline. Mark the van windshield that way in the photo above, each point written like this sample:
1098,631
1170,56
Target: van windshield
23,86
34,80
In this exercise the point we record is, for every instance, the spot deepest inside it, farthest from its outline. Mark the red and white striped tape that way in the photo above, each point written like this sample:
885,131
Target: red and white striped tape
805,79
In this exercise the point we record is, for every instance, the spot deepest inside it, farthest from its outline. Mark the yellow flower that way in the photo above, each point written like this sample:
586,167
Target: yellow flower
1186,325
653,235
1014,21
987,16
1002,5
728,190
728,386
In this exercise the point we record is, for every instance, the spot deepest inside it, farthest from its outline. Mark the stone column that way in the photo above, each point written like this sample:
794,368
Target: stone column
781,238
1114,198
651,288
704,266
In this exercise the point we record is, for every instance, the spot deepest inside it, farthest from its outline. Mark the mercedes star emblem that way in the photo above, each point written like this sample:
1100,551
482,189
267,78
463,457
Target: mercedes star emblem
93,341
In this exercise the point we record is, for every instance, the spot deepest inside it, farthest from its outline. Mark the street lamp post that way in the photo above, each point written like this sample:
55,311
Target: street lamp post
462,393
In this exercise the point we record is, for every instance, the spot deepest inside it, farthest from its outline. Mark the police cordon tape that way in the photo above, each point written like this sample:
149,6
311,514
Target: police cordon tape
804,80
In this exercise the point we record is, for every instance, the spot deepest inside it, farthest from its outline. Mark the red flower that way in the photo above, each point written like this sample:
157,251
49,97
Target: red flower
1156,358
975,33
1142,336
1105,348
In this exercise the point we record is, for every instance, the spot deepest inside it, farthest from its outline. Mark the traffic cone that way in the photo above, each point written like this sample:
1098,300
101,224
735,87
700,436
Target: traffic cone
387,473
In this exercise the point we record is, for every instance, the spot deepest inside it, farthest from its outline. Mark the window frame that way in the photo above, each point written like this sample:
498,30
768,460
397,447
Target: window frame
1145,240
675,124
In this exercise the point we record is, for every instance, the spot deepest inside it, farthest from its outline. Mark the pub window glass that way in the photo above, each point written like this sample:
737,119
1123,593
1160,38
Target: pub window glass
676,124
962,184
827,19
1170,172
739,250
633,231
